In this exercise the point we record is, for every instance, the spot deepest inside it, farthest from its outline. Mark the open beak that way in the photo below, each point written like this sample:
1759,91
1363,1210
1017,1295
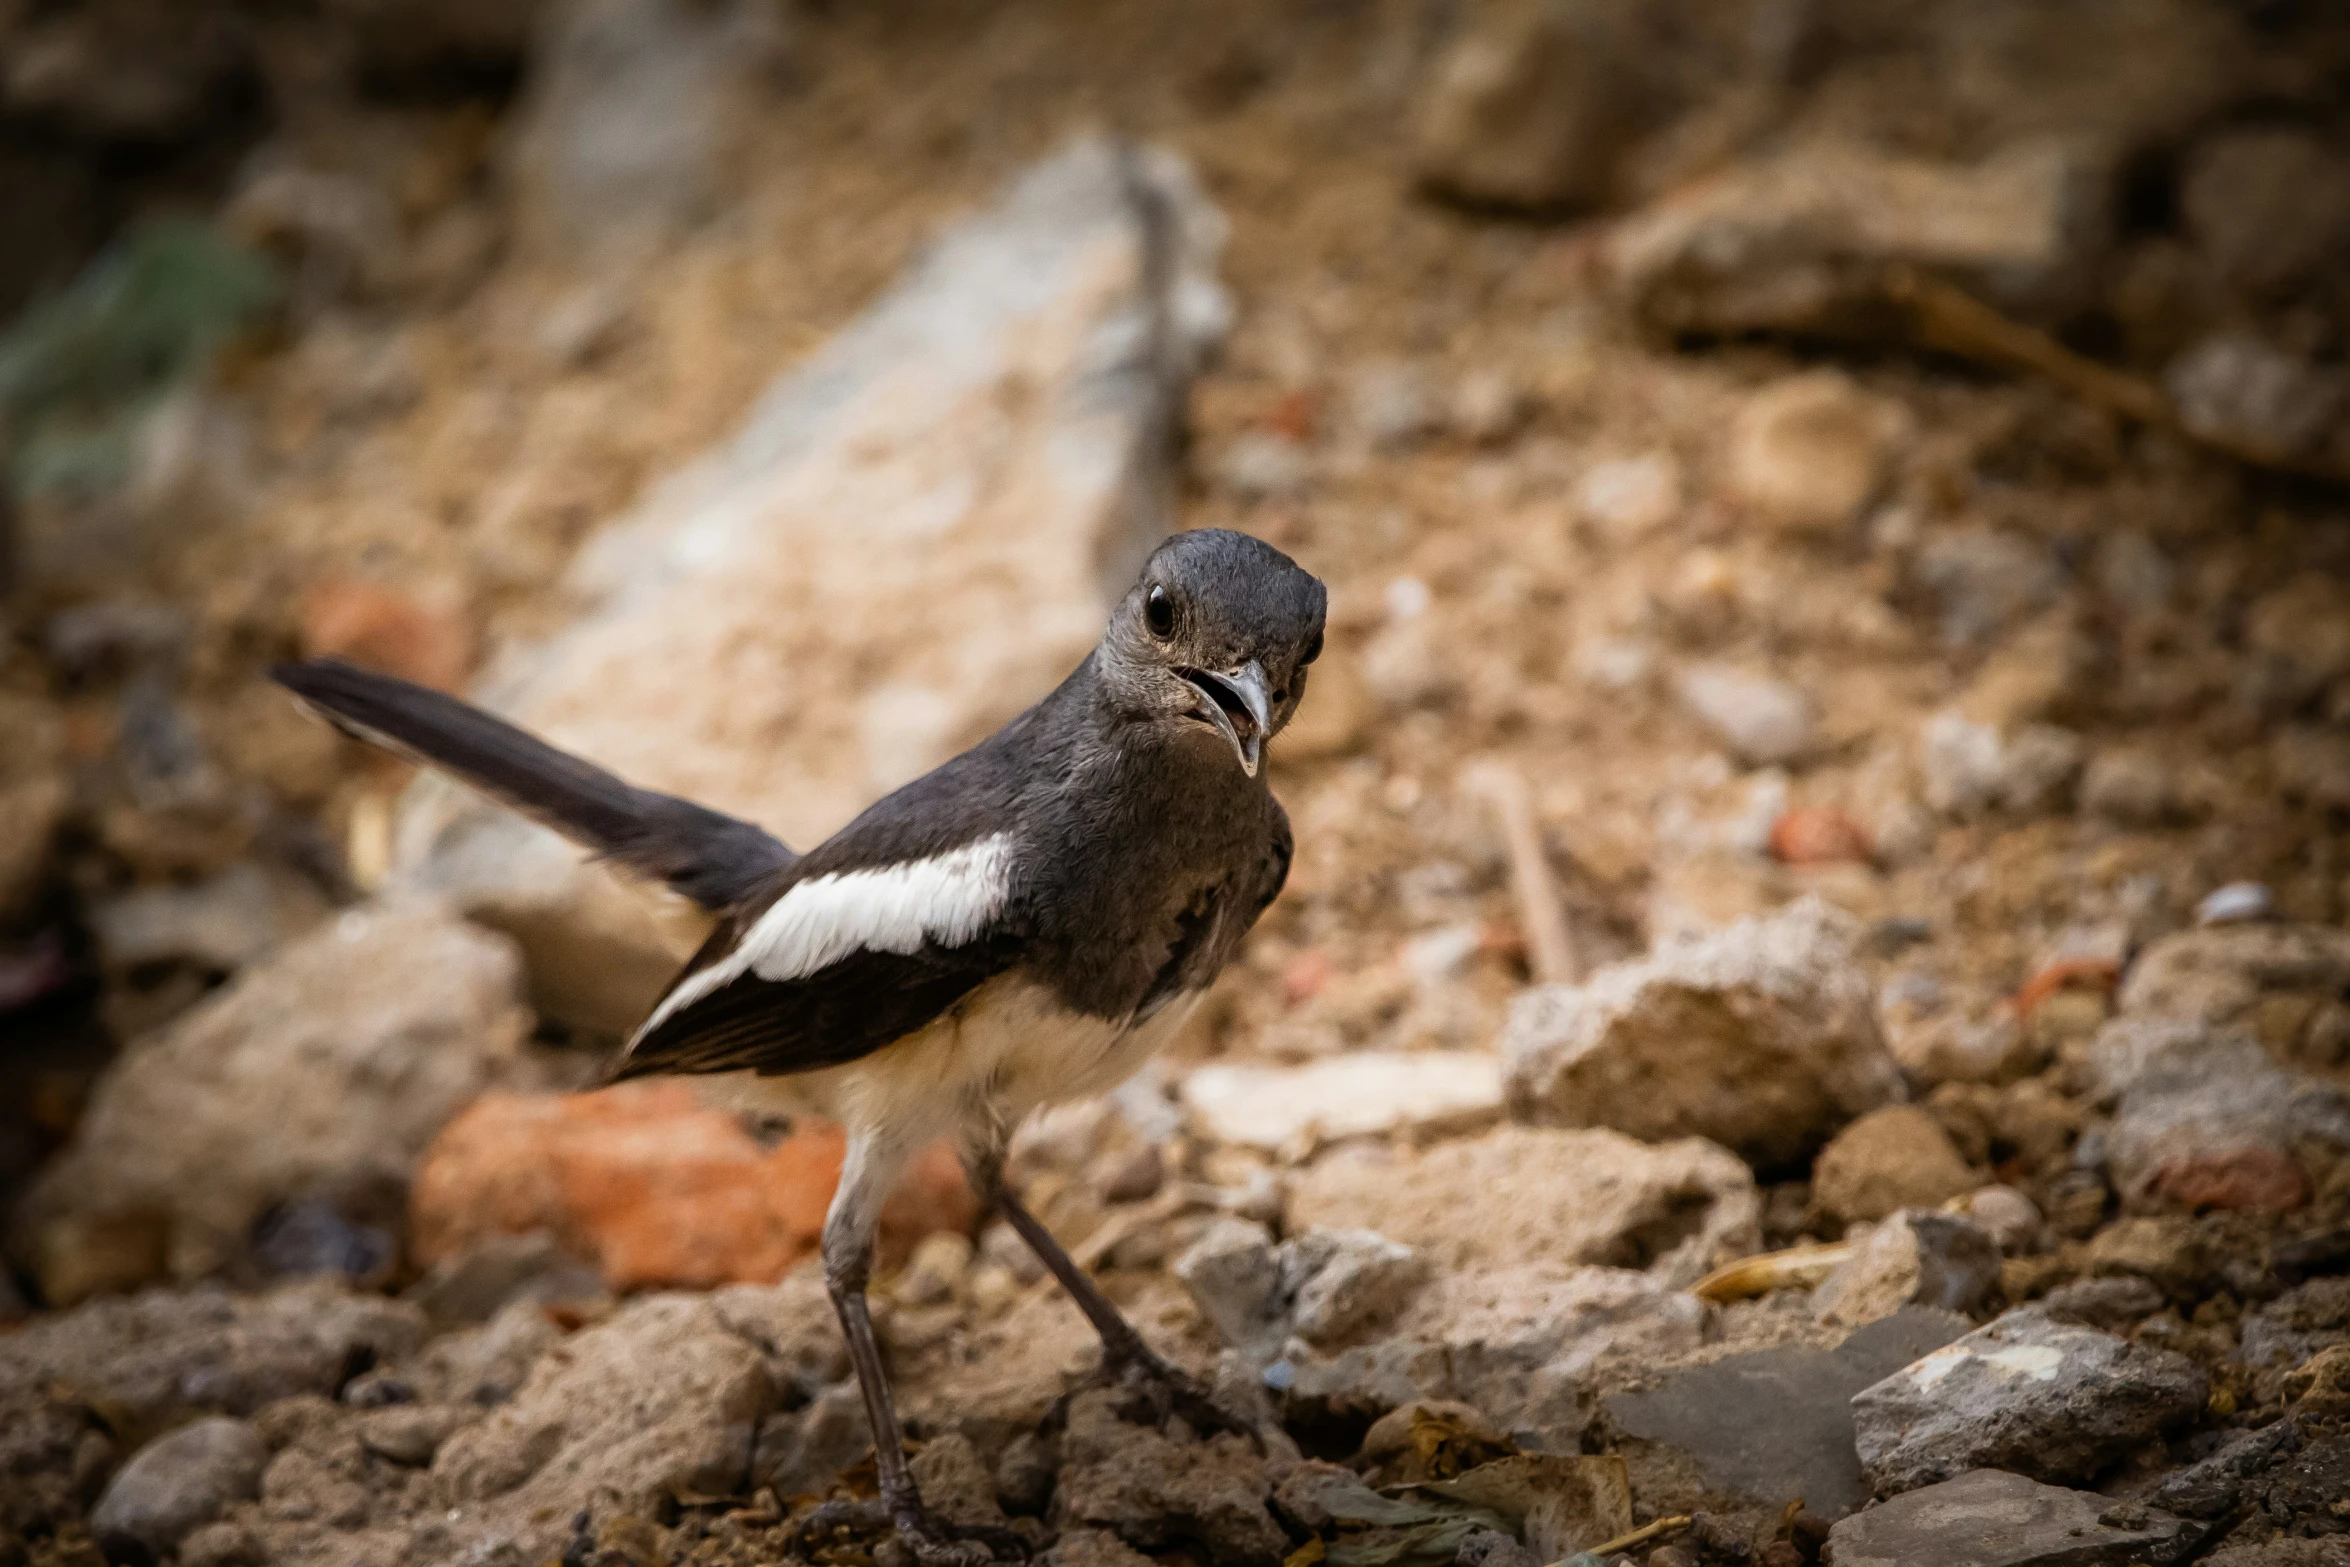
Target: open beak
1237,705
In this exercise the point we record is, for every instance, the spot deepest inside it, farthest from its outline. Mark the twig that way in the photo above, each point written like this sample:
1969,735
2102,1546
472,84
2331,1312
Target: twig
1642,1535
1956,322
1550,950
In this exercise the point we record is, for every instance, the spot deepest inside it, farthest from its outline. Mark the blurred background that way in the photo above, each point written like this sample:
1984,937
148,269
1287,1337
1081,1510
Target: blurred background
1838,523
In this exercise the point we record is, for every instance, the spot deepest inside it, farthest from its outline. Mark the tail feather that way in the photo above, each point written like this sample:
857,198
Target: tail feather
715,859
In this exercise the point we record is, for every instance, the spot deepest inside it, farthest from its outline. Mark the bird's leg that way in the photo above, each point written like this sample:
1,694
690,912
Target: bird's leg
866,1175
1126,1357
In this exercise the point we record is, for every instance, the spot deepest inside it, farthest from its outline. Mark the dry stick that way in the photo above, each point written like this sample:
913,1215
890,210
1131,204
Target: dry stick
1550,951
1958,323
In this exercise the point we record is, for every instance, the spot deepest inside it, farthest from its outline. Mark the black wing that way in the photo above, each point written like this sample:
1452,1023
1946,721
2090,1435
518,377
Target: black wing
710,857
837,1015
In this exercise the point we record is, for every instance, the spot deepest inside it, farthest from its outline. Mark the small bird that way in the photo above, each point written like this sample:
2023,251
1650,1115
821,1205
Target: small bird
1025,924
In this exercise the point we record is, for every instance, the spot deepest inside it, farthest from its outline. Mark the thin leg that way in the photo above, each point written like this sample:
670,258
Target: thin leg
866,1175
1125,1355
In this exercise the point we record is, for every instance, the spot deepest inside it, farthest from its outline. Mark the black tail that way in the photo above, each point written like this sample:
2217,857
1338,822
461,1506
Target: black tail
710,857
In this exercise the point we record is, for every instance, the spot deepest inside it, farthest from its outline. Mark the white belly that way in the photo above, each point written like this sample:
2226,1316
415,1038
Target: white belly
975,1074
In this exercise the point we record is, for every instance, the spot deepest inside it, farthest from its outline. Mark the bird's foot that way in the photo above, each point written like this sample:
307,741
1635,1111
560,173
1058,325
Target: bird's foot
930,1540
1168,1389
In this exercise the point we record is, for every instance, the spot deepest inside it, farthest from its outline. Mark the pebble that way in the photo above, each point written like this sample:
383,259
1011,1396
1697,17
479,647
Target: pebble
2235,903
1288,1108
1892,1158
1789,1053
2043,1398
1982,580
1764,721
1807,453
1630,497
1918,1257
179,1481
1988,1519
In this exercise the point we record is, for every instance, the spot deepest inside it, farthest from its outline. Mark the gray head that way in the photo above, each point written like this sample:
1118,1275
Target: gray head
1217,632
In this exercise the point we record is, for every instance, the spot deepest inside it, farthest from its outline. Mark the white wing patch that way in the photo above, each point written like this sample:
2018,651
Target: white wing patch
946,899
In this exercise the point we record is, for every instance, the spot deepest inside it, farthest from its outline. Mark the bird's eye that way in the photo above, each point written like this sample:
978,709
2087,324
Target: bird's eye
1159,611
1313,648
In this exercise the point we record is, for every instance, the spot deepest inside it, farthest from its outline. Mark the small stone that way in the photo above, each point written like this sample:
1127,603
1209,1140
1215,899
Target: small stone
477,1283
1535,106
1392,404
2320,1389
410,1434
1590,1196
1235,1279
177,1482
2117,1302
2236,903
1762,1037
1347,1281
1351,1095
1487,407
2012,1218
219,925
1820,836
2238,391
1982,580
1798,243
1807,453
2266,205
1630,497
1971,767
1984,1518
1893,1158
2028,1393
2164,1250
1918,1257
2213,1487
2133,788
1942,1039
2208,1115
1764,722
2299,638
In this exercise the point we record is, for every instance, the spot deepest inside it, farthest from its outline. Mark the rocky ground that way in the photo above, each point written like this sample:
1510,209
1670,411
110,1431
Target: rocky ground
1812,1017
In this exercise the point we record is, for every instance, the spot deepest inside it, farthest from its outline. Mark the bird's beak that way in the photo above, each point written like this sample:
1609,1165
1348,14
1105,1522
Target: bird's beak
1236,704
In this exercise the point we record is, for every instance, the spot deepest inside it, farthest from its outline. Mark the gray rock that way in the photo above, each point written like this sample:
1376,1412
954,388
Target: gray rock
2028,1393
2223,973
1764,722
1808,452
177,1482
1000,424
1530,1347
2135,788
220,924
1324,1286
477,1283
1971,767
2117,1303
164,1355
1802,1396
661,1401
353,1046
1798,243
1347,1281
1917,1257
1983,580
2266,205
1762,1037
1537,105
2236,391
1676,1209
2204,1115
1988,1519
622,138
2214,1486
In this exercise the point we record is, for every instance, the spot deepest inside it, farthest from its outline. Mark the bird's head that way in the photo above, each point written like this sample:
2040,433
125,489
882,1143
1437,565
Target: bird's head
1217,632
